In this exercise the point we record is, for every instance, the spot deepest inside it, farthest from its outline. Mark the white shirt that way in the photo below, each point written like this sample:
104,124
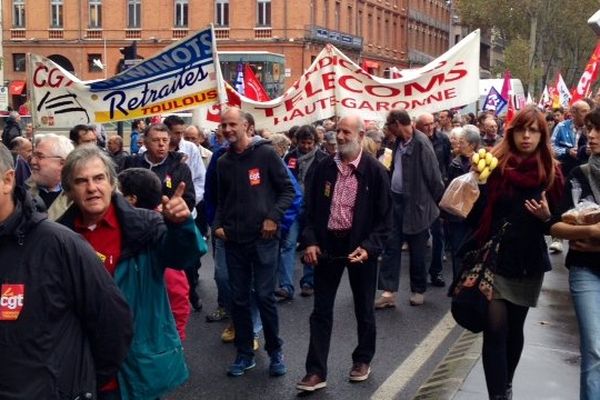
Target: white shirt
193,160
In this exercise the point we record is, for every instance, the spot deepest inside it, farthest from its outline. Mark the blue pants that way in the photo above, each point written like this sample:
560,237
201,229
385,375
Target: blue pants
224,290
253,266
585,290
287,259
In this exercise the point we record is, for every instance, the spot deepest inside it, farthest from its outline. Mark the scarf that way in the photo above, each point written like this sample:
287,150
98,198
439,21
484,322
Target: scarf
519,174
304,163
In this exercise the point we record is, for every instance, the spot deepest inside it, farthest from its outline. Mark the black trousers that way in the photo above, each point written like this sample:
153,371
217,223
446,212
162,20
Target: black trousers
363,281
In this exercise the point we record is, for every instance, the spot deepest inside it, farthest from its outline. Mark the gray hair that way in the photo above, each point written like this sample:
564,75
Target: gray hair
472,135
375,134
6,159
61,145
82,155
17,142
280,140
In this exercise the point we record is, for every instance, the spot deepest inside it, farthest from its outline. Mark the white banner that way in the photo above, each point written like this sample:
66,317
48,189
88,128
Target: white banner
335,85
181,77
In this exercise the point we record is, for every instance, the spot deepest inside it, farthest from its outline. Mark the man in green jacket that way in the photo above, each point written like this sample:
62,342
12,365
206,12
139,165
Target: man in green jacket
135,246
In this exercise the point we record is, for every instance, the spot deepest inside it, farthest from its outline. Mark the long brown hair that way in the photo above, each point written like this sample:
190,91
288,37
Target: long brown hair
506,150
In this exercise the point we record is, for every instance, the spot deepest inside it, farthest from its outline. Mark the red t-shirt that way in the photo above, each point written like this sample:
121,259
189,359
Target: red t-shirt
105,237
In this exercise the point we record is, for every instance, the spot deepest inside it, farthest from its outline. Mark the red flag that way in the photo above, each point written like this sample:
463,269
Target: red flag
254,90
589,76
507,93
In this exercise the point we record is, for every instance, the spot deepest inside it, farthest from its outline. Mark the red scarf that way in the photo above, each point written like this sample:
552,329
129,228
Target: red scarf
518,174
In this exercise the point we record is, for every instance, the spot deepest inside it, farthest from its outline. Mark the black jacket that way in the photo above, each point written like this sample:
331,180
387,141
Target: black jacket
171,172
523,251
75,327
371,222
252,186
443,152
11,130
291,160
577,258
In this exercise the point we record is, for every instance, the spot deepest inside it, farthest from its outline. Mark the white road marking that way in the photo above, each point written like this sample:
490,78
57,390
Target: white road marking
396,382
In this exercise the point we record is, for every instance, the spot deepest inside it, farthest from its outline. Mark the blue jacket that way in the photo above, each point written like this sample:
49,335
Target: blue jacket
293,211
563,139
155,363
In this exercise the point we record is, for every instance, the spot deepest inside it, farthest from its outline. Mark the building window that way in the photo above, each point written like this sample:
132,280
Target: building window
95,63
326,13
134,13
222,12
313,12
95,11
370,26
359,23
263,13
181,13
337,15
350,17
19,13
19,62
56,13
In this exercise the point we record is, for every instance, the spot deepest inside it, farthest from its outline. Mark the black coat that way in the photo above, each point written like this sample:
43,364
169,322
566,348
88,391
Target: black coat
75,327
371,223
170,172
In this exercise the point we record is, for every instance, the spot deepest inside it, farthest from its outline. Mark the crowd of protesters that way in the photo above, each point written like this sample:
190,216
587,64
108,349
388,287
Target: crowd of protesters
105,244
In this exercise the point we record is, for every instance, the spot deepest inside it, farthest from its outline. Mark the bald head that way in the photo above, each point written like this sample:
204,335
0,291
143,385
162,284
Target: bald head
579,110
426,124
349,135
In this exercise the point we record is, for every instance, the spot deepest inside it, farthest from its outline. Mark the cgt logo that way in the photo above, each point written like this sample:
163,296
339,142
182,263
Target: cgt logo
12,298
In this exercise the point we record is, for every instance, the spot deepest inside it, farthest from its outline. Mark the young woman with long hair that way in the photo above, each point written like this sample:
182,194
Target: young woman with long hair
583,259
514,204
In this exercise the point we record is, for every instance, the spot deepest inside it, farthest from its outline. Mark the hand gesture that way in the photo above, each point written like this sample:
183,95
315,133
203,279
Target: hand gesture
311,255
269,229
358,256
220,234
539,209
174,209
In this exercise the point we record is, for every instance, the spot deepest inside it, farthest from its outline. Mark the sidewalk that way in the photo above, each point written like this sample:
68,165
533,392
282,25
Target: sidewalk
549,366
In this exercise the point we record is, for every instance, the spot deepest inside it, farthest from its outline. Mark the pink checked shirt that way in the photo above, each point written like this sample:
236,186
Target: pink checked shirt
344,195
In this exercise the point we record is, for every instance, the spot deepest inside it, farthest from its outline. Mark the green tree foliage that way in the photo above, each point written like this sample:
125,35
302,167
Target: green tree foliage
558,28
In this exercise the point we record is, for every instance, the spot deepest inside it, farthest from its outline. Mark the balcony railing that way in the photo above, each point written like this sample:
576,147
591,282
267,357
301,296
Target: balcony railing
133,33
221,33
428,20
179,33
93,34
55,33
17,34
263,33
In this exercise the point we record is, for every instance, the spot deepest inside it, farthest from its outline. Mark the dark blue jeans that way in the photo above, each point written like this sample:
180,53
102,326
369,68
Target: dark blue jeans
253,264
389,274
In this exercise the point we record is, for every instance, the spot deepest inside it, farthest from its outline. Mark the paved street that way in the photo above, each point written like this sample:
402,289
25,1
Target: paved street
400,331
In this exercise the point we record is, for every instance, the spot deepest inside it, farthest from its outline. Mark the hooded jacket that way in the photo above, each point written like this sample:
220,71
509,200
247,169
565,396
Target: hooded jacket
252,186
74,327
155,363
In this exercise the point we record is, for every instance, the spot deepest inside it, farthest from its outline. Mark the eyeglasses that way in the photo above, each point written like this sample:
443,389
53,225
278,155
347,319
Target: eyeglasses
41,156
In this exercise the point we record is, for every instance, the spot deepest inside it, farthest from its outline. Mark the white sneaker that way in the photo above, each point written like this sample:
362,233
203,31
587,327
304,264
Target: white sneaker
556,246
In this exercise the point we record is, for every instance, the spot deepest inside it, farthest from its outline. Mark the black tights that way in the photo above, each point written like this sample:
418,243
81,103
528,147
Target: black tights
502,344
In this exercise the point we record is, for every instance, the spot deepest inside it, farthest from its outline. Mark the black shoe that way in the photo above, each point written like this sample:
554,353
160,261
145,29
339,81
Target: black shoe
196,305
282,295
438,280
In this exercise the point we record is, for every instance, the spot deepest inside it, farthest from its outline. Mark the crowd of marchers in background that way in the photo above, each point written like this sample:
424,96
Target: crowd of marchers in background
101,243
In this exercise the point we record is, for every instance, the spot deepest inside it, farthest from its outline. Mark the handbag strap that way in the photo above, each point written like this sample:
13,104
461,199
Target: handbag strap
587,171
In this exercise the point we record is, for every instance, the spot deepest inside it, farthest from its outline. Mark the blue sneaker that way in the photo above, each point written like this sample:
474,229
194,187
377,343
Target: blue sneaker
241,365
277,366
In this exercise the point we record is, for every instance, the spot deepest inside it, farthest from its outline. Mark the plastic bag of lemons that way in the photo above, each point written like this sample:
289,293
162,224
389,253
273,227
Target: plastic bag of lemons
484,162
